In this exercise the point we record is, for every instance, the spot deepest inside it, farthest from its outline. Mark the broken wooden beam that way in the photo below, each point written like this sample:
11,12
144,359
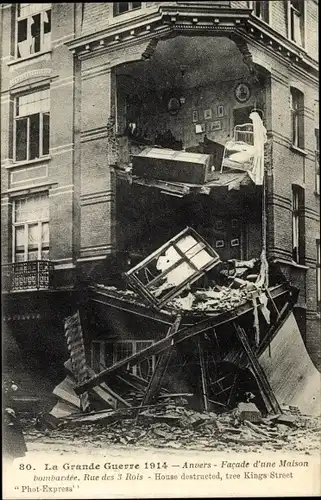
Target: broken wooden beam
154,385
203,376
175,338
266,391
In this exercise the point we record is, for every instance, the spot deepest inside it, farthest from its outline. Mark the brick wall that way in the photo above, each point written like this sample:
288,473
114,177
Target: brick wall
312,31
58,171
95,16
97,196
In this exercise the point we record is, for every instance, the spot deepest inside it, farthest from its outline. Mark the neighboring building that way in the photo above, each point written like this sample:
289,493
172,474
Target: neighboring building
85,86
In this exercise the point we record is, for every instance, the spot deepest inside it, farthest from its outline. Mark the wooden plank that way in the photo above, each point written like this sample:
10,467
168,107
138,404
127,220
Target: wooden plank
175,338
105,393
203,375
117,400
267,393
65,391
135,308
130,384
154,385
140,382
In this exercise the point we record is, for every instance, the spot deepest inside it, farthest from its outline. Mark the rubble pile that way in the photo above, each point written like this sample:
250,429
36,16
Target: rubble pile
176,426
216,300
233,286
230,357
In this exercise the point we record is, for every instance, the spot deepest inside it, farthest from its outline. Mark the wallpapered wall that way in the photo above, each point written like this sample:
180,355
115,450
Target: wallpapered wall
151,115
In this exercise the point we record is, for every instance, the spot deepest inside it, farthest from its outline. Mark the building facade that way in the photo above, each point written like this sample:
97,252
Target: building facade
84,87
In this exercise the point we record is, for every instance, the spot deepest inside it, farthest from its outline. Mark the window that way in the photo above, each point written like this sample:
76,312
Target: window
105,353
32,125
31,228
122,7
33,28
297,113
261,10
318,276
296,21
298,229
317,160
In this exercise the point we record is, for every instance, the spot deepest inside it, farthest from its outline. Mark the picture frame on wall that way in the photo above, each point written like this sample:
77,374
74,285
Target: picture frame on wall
216,125
220,111
208,114
200,128
195,116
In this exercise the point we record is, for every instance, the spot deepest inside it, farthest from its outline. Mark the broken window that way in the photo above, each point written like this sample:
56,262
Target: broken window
296,21
32,126
297,112
31,228
106,353
122,7
298,242
33,28
175,265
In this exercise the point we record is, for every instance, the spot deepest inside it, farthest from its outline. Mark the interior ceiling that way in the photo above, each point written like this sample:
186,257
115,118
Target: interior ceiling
204,60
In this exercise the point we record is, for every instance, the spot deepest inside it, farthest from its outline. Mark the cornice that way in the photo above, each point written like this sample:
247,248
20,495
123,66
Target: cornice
155,24
171,20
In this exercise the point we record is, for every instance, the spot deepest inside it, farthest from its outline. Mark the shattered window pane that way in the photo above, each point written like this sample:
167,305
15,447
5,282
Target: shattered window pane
33,29
172,267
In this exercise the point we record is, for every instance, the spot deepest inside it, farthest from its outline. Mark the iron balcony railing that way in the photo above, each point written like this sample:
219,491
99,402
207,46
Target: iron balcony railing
30,275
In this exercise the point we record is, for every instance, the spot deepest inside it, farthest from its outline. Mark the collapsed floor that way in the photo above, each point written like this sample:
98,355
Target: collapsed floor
231,370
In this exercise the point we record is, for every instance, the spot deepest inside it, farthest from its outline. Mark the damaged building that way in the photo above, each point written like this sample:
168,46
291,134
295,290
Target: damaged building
134,128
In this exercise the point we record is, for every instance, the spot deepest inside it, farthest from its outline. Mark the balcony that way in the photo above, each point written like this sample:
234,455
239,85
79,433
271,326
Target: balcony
27,276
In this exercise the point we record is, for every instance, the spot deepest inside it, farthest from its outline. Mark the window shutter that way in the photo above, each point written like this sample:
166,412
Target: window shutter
301,196
301,128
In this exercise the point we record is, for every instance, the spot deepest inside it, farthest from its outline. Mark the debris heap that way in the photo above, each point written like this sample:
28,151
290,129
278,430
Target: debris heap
224,317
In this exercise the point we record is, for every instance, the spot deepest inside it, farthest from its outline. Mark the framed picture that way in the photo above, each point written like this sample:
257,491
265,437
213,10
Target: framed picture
220,112
235,242
242,92
216,126
195,116
219,244
207,114
200,128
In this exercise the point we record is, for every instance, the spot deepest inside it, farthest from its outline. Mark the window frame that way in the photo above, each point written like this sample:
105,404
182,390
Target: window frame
298,224
297,116
26,224
130,8
115,343
28,17
262,3
41,130
299,13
